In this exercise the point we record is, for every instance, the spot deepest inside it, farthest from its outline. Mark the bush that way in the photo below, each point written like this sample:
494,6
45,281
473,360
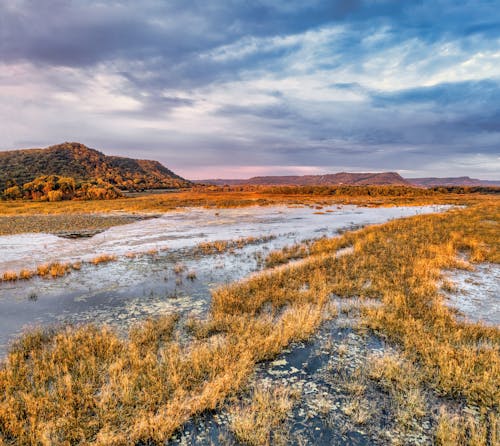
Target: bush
54,195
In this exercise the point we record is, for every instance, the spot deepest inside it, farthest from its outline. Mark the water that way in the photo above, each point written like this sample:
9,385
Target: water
123,292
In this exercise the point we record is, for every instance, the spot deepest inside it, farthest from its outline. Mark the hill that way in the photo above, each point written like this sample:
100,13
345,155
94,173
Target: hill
353,179
83,164
452,181
342,178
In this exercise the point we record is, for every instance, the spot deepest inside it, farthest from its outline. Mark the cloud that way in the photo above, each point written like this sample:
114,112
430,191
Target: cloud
220,85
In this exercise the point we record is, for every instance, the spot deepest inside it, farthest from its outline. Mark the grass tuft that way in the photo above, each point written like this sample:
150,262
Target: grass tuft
261,421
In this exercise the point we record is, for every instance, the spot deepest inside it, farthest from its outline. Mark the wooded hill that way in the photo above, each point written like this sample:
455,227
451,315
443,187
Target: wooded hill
74,160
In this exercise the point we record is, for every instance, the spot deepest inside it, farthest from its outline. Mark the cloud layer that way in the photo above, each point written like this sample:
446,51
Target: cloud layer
234,88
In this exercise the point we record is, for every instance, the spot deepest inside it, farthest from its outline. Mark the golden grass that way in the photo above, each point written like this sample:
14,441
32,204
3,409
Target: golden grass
87,385
282,256
53,269
25,274
103,258
231,198
260,421
402,380
467,430
221,246
9,276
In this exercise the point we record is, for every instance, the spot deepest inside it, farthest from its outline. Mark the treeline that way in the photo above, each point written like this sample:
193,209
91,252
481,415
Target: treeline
351,190
58,188
340,190
466,189
380,191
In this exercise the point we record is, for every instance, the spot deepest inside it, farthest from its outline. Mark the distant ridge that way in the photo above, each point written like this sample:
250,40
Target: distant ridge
351,179
453,181
72,159
342,178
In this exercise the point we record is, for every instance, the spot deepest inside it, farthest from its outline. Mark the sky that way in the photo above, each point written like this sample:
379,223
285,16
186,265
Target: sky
234,89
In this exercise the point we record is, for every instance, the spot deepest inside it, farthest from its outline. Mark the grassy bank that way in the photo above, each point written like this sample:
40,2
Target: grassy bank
61,223
374,196
87,385
19,216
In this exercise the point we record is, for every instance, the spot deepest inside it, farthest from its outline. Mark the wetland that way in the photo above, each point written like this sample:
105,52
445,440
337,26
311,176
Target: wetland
290,324
143,280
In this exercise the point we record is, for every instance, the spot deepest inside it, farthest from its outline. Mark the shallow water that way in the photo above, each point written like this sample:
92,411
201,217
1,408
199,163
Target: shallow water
123,292
478,293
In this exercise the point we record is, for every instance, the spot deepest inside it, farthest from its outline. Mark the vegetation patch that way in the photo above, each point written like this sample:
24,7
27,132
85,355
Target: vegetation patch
64,225
57,188
87,385
221,246
218,197
260,422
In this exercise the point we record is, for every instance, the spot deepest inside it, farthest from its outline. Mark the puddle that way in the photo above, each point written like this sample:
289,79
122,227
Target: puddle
123,292
477,295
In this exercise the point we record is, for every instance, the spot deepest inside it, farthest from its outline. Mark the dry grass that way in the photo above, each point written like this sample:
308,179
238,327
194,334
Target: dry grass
103,258
10,276
86,385
260,421
221,198
53,269
402,380
221,246
62,223
282,256
467,430
25,274
359,411
179,268
58,269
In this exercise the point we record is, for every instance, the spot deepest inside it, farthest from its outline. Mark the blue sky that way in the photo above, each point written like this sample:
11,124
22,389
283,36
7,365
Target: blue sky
240,88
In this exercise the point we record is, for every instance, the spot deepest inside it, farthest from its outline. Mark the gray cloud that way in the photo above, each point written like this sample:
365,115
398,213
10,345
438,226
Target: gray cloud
411,86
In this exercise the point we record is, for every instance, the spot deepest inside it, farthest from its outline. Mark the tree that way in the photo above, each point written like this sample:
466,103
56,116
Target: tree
13,193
